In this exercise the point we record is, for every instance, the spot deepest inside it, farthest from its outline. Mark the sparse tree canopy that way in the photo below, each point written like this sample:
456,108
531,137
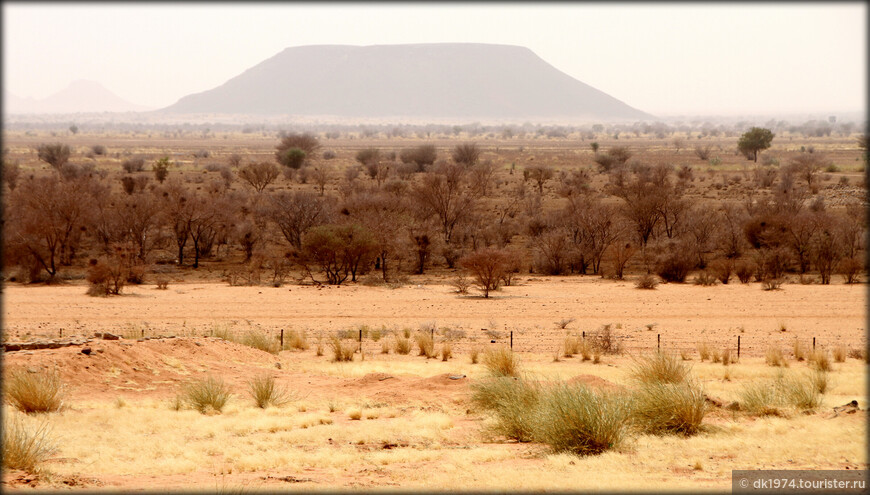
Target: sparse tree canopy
422,156
753,141
292,158
306,143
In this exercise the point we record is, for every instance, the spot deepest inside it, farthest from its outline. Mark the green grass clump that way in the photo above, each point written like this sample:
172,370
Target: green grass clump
501,361
660,367
574,419
512,401
24,447
35,392
209,394
668,408
265,392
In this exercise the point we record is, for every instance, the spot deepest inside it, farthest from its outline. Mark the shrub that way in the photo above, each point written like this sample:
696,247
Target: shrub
571,346
605,341
513,402
488,267
744,270
35,392
501,361
261,341
161,169
354,414
135,164
425,344
646,281
24,447
55,155
585,350
661,367
859,354
264,392
675,408
98,149
209,394
674,266
706,279
820,380
722,269
341,351
162,282
771,284
403,345
576,420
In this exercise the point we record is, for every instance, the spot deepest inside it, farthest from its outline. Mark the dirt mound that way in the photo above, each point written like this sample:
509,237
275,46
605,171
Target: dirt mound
150,367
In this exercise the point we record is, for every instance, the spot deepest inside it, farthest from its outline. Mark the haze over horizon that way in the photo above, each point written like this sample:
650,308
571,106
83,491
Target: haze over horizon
664,59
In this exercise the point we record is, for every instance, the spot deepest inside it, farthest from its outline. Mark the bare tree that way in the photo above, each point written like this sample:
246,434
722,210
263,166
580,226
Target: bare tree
443,192
295,213
540,174
321,175
481,177
259,175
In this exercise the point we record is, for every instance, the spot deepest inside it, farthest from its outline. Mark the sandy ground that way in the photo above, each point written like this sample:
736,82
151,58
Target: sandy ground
419,430
683,315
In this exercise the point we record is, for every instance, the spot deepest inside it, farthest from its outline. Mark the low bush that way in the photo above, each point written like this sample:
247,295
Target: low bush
771,284
576,420
571,346
605,341
296,339
839,354
661,367
446,351
474,354
820,381
744,271
646,281
798,350
265,392
501,361
820,360
704,351
206,395
704,278
25,447
674,408
35,392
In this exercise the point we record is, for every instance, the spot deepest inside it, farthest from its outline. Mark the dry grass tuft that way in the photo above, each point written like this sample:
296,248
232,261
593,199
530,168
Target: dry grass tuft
354,413
574,419
571,346
673,408
403,345
839,354
341,351
425,344
704,351
24,447
446,351
261,341
647,281
209,394
772,398
512,401
661,367
265,392
799,351
35,392
501,361
296,340
820,360
775,357
474,354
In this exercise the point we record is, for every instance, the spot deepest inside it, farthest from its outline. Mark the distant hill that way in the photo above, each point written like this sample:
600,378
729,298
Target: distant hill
452,80
79,97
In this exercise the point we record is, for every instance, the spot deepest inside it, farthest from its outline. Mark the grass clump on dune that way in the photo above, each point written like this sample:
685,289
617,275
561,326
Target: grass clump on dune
512,401
675,408
775,397
660,367
206,395
25,447
265,392
501,361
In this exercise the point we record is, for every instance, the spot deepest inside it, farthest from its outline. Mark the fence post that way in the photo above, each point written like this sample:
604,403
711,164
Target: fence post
512,340
360,340
814,343
584,334
658,341
61,333
738,347
282,339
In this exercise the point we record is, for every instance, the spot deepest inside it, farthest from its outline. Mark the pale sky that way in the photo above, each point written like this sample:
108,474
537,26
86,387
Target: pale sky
666,59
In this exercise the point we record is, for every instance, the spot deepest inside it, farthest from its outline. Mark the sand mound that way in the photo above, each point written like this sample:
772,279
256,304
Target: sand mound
150,367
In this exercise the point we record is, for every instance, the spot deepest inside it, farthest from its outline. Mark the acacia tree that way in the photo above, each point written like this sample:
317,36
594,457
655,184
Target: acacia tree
754,140
385,216
339,250
466,154
488,266
540,174
295,148
422,156
295,213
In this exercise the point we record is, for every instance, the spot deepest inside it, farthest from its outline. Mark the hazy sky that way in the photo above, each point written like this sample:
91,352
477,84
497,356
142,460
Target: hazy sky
666,59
